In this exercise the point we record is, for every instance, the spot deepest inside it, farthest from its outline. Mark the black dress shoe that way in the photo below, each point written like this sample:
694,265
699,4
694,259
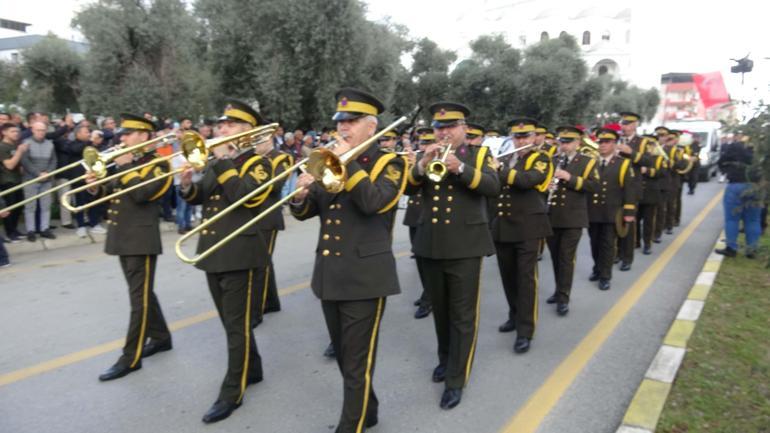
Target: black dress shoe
439,373
625,266
251,380
551,299
329,352
669,231
562,309
155,346
422,312
751,255
594,276
657,240
604,284
417,303
616,260
508,326
219,411
256,321
118,371
727,252
451,398
647,251
521,345
31,237
48,234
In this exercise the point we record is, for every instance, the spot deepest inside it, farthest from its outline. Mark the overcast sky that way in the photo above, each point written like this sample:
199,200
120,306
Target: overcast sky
707,34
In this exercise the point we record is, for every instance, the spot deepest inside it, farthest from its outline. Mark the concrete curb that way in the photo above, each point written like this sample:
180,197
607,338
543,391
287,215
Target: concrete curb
65,238
645,408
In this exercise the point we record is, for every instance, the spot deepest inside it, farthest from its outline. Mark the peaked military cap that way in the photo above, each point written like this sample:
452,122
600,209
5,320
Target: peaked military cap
522,125
627,117
448,114
131,122
239,111
475,130
354,103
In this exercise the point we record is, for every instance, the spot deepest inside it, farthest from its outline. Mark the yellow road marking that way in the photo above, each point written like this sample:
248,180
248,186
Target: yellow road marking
62,361
531,414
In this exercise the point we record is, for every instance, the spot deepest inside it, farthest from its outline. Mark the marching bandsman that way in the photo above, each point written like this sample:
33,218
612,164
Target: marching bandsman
133,234
654,188
611,208
492,133
519,225
692,151
568,210
679,168
475,135
355,269
388,141
267,299
633,147
237,269
425,138
662,181
452,238
542,141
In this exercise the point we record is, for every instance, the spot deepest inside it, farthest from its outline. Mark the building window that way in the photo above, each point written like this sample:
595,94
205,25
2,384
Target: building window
586,38
603,70
544,36
606,35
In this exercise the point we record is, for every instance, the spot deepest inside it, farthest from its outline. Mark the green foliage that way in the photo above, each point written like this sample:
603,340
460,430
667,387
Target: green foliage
288,57
52,70
143,57
11,77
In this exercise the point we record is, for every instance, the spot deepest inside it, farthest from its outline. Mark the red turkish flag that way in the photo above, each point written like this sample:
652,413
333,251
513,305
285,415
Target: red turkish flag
711,88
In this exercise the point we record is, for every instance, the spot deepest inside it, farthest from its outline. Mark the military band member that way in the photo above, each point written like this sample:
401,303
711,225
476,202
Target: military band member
634,147
653,190
425,138
452,238
237,269
549,147
692,151
475,135
355,269
492,133
568,210
267,299
616,195
519,225
677,170
133,234
388,141
662,180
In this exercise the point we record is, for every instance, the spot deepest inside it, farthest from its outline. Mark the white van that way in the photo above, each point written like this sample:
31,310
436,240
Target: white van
707,132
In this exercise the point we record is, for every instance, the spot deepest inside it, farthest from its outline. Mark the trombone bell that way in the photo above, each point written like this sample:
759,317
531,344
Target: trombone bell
194,150
328,168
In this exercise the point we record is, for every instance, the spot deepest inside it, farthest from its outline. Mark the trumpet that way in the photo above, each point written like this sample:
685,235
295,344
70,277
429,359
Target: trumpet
437,169
195,150
93,161
327,168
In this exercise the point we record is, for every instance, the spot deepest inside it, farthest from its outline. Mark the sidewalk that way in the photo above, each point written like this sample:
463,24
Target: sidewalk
65,238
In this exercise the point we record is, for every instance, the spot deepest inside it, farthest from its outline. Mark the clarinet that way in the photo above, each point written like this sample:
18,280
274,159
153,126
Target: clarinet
562,164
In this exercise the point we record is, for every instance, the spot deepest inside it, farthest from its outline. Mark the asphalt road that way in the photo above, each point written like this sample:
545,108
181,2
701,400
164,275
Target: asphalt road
64,312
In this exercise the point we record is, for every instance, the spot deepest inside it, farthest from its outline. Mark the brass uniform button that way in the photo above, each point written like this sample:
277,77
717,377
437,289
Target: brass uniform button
446,221
448,210
338,254
449,198
435,198
450,187
436,187
338,222
435,209
328,221
325,253
434,220
337,238
326,237
500,214
204,232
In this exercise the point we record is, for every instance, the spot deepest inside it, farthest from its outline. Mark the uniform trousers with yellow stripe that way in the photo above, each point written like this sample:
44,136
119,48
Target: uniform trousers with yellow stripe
146,316
518,271
266,295
453,285
627,244
563,246
646,221
354,330
233,293
603,242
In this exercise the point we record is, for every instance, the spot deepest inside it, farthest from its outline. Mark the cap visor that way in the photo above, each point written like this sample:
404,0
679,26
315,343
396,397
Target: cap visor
346,115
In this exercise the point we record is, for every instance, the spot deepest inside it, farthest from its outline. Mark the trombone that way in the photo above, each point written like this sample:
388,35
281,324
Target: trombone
325,166
93,161
195,150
